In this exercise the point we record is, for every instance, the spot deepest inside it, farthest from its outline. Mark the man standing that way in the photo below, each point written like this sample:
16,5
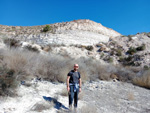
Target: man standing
73,85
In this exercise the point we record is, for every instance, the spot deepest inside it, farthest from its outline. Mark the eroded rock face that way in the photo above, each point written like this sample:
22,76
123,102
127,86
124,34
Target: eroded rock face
87,25
108,44
84,32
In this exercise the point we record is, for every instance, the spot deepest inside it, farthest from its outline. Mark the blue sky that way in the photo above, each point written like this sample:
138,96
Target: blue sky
124,16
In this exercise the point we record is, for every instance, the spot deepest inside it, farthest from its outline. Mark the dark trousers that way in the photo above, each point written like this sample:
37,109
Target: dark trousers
73,96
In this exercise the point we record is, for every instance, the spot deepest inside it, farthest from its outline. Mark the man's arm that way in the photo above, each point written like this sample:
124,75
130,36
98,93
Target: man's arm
80,84
68,88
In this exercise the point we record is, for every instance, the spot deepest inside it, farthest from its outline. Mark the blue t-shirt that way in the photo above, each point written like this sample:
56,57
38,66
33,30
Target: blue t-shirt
74,77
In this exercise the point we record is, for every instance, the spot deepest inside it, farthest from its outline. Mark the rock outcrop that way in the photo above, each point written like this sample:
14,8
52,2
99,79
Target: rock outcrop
83,32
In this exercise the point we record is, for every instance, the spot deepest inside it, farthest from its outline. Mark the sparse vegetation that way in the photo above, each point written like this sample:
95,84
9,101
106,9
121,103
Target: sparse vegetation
148,34
132,50
121,59
31,48
110,59
11,42
130,96
146,67
119,52
141,48
64,92
47,48
143,80
130,37
90,48
27,65
88,109
128,60
102,55
8,81
46,28
42,105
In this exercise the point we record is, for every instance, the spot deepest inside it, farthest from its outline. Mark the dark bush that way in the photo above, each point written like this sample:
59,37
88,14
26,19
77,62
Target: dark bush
141,48
12,42
110,60
90,48
129,58
132,50
8,81
47,28
148,34
128,61
30,48
130,37
121,59
146,67
119,52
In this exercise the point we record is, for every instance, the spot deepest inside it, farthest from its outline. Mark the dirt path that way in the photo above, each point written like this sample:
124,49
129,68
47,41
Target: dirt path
117,97
96,97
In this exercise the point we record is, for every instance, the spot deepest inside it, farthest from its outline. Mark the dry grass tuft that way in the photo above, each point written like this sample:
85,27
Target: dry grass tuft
64,92
81,95
11,42
41,106
124,74
88,109
8,81
143,80
130,96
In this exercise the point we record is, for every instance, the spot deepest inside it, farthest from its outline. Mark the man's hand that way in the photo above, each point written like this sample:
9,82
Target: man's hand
68,88
79,89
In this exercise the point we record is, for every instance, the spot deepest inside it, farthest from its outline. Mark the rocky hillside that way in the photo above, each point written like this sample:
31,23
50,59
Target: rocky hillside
85,32
82,38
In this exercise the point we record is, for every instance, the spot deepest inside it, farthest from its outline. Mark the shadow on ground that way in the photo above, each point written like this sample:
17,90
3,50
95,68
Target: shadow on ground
57,104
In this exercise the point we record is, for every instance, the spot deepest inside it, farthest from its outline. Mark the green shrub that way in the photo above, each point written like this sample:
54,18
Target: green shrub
30,48
12,42
119,52
130,37
121,58
112,52
129,58
146,67
132,50
129,61
90,48
110,60
47,28
141,48
102,55
7,81
148,34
